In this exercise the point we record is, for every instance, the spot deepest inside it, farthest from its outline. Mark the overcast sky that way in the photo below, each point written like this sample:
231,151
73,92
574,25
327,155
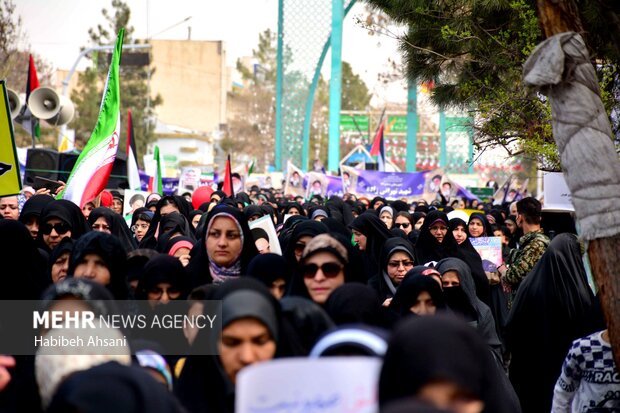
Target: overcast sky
56,29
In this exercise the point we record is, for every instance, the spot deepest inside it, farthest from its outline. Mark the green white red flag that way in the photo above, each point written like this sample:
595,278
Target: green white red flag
93,167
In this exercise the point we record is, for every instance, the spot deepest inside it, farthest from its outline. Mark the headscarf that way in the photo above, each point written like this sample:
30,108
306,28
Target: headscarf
201,268
554,306
339,210
67,212
252,211
64,246
463,301
488,232
381,281
109,248
117,225
376,234
268,268
184,207
170,225
305,228
376,199
335,227
173,244
143,213
162,269
358,340
409,290
24,268
304,321
295,205
425,349
112,387
33,207
355,303
427,248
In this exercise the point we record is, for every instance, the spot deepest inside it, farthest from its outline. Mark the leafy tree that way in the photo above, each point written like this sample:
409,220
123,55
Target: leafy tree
355,95
14,58
134,86
474,50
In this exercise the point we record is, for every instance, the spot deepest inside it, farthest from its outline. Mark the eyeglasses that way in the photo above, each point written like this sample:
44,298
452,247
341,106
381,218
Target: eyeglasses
135,227
397,264
402,224
157,292
329,269
60,228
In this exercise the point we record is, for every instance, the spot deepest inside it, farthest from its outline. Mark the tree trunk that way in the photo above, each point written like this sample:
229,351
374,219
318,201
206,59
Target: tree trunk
560,67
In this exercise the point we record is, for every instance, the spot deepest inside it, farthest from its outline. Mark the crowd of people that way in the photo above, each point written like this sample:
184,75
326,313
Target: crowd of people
454,336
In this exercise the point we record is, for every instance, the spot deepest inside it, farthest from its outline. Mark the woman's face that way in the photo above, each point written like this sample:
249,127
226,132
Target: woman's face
162,293
419,224
511,226
54,230
460,235
140,228
60,267
323,273
244,342
476,228
93,268
386,217
404,224
87,209
300,245
117,206
424,304
196,220
449,396
398,264
293,211
360,239
101,225
168,209
224,242
439,231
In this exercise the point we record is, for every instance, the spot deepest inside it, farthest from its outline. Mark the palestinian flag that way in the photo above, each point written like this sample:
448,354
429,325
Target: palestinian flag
29,122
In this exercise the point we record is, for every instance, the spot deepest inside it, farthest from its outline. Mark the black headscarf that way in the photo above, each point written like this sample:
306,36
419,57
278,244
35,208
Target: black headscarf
464,302
339,210
488,231
24,268
409,290
33,207
252,211
355,303
376,234
162,269
198,267
171,225
295,205
64,246
427,248
117,225
109,248
376,199
335,227
425,349
67,212
184,207
381,282
304,321
554,306
112,387
268,268
304,228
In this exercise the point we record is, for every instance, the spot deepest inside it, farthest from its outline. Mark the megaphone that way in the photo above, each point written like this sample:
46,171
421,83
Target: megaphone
15,103
44,103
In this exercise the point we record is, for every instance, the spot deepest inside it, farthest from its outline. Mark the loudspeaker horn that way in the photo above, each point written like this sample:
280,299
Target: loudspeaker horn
66,113
15,103
44,103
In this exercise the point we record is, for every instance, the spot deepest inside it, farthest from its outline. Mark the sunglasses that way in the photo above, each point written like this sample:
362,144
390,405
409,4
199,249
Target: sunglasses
402,224
60,228
397,264
329,269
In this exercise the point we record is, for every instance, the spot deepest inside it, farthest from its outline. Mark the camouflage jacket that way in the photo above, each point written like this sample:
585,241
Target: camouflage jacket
521,261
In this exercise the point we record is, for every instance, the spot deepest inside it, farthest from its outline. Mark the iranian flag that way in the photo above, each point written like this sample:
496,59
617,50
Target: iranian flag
93,167
155,182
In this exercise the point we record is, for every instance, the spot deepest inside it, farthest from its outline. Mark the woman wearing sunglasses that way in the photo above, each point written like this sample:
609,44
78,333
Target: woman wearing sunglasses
60,219
403,221
322,269
395,260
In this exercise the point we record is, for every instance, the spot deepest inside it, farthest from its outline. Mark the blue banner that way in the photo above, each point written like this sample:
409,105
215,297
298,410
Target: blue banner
392,185
334,186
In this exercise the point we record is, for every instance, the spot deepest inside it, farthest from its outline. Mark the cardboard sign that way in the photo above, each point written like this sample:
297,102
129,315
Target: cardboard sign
557,194
10,182
490,250
266,224
303,385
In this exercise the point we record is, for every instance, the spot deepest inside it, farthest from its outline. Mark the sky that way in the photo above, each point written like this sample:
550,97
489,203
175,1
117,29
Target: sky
56,29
